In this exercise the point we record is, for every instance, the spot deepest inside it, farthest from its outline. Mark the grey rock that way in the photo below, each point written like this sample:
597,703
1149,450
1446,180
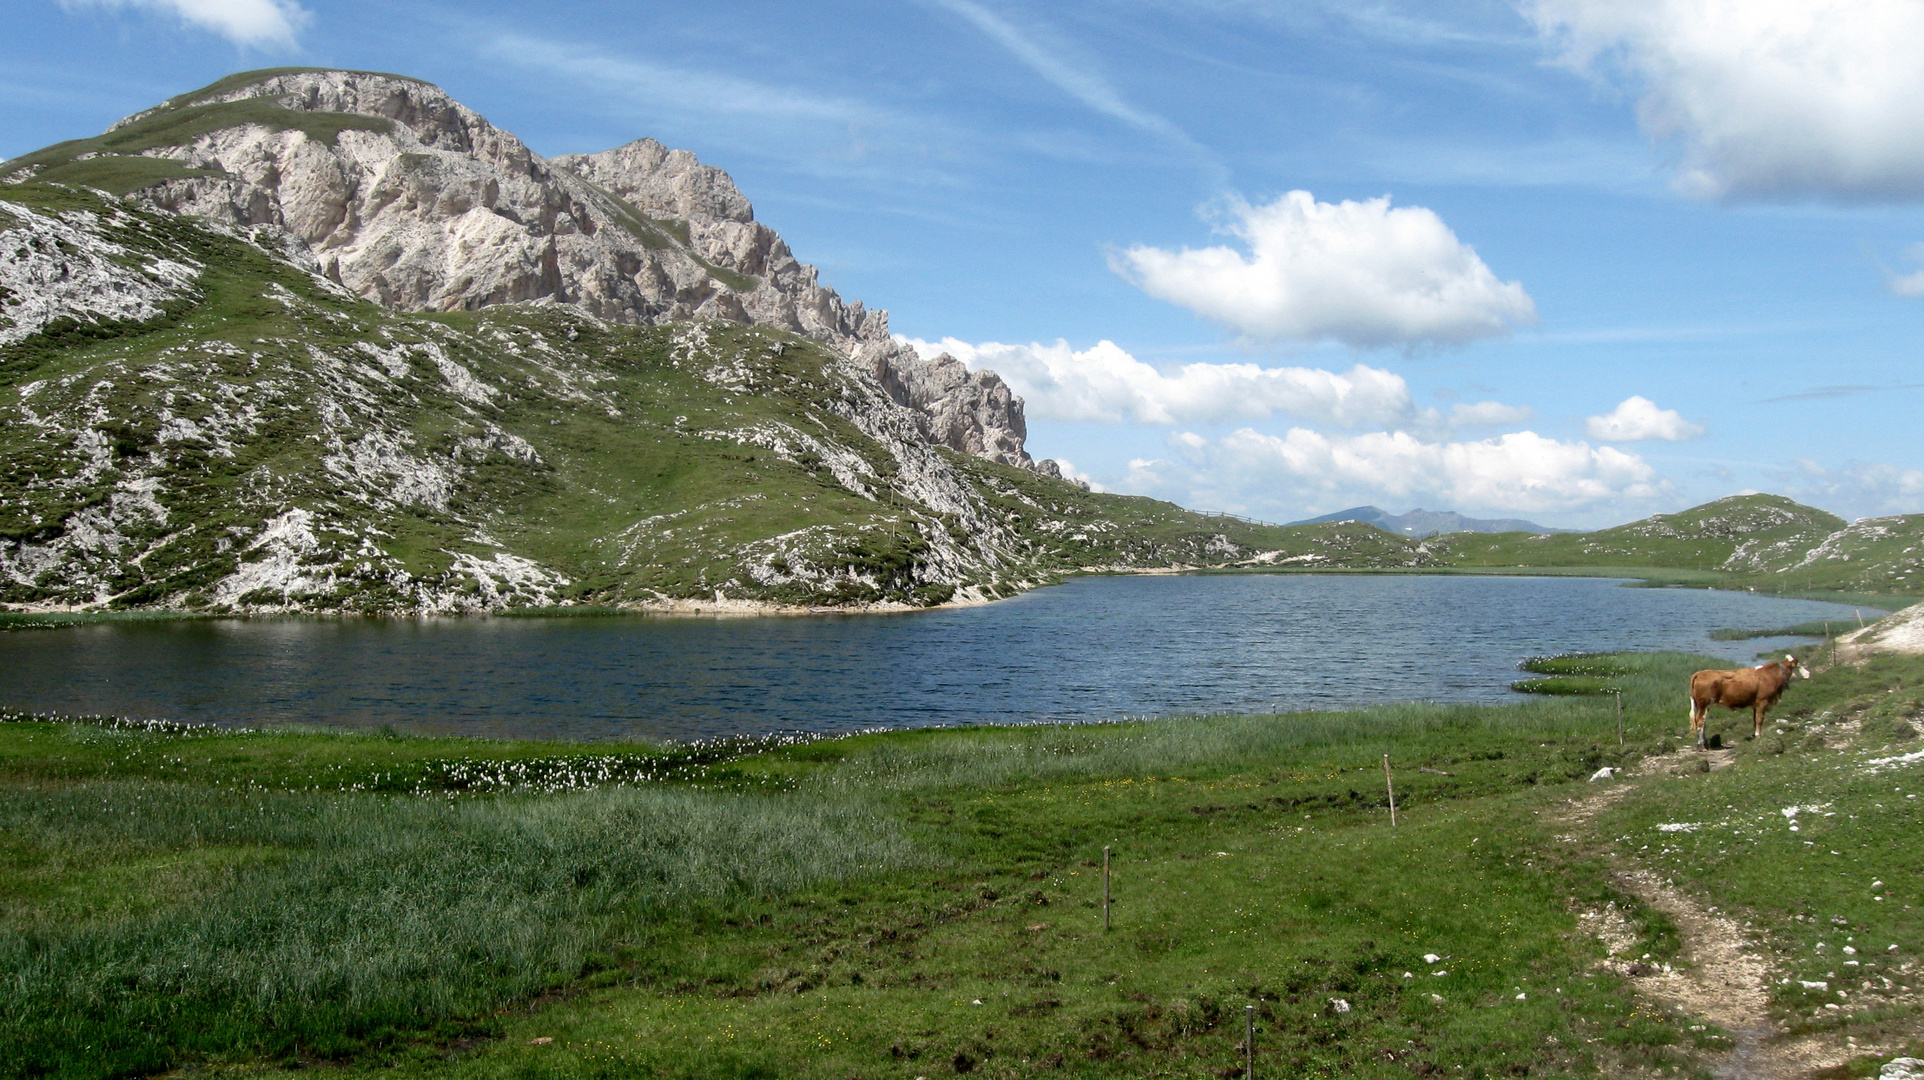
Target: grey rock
429,207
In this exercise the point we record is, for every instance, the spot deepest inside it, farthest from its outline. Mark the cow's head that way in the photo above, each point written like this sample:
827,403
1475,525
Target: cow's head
1792,667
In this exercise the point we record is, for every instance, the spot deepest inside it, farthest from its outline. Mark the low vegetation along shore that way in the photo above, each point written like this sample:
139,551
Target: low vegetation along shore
190,900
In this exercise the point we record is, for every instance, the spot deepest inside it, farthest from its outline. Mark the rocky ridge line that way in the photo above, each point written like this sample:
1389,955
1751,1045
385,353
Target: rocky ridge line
423,205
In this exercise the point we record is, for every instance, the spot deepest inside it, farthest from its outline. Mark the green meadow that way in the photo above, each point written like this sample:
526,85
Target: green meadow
198,901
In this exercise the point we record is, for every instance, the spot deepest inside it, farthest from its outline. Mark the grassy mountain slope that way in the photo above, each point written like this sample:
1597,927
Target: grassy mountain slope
1719,535
1765,542
115,160
1883,555
265,442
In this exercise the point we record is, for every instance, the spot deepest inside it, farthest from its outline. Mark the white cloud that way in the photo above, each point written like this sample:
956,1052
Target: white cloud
1521,472
243,22
1070,471
1765,98
1859,488
1105,383
1488,414
1638,418
1911,284
1362,273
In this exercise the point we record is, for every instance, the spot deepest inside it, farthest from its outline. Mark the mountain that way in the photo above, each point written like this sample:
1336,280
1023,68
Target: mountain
260,351
1420,522
1742,533
402,195
1765,542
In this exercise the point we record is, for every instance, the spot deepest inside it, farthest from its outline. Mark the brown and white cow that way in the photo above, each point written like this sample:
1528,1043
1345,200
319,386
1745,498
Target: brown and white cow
1756,689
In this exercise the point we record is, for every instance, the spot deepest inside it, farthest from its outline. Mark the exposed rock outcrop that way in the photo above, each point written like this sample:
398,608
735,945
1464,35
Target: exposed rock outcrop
1901,632
407,197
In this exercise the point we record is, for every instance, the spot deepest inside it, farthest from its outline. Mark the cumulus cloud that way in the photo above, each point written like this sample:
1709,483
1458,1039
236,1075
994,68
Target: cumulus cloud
1858,489
1362,273
1765,98
1638,418
1520,472
1911,284
1105,383
243,22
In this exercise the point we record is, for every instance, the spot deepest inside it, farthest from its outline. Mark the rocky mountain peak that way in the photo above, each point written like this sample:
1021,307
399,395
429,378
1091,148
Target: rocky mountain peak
663,182
407,197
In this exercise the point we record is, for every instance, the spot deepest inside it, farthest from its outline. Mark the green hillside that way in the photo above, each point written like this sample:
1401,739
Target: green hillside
1763,542
1882,556
1721,535
268,443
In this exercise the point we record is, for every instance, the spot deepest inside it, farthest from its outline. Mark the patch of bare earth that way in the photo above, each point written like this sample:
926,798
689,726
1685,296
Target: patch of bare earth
1721,975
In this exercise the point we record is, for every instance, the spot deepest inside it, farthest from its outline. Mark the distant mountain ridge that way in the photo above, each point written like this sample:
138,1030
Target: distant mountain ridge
1420,522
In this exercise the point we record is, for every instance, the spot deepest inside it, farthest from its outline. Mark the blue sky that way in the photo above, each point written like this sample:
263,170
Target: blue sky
1573,260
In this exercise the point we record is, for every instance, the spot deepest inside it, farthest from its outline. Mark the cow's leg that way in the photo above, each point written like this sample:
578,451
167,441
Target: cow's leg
1697,711
1757,726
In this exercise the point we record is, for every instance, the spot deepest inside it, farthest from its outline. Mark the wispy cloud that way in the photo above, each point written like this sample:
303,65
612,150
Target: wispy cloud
804,130
1911,284
1819,393
688,89
1078,81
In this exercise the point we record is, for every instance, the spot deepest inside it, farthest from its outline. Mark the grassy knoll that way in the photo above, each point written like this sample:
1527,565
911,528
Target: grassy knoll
1720,535
926,903
1764,543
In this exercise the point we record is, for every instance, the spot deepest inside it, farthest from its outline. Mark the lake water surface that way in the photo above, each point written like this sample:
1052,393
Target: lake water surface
1093,649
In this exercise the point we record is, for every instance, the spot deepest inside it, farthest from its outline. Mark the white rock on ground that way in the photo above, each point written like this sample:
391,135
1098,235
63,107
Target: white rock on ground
1900,632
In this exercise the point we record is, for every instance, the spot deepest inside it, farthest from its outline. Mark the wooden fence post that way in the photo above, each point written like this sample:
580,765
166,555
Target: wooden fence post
1105,888
1249,1042
1391,785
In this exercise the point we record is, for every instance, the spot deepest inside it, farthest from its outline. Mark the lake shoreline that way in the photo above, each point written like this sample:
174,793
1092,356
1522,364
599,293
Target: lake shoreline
55,616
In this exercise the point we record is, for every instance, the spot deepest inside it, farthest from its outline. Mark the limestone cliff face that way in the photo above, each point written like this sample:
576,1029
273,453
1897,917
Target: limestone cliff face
409,198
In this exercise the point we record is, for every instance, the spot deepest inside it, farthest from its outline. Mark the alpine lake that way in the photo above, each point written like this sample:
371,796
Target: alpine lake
1093,649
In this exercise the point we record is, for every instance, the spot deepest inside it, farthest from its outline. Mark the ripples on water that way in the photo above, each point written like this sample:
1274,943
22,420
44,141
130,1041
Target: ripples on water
1095,648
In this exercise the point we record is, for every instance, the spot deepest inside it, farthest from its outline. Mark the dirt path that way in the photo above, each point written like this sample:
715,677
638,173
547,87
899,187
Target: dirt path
1721,974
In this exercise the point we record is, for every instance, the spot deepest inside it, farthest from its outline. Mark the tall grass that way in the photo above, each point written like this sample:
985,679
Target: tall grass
381,913
998,757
